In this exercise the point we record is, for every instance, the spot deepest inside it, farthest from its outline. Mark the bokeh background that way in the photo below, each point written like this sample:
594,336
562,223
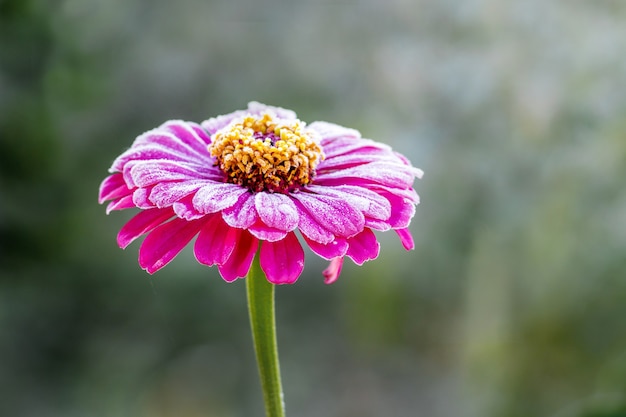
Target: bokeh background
513,303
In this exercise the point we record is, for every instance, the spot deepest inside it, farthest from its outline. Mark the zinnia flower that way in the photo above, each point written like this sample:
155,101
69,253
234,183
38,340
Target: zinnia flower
253,177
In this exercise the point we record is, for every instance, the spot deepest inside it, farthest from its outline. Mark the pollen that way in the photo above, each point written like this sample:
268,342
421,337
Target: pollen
262,153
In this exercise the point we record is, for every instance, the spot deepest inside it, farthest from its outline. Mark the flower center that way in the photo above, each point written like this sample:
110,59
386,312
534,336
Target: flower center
265,154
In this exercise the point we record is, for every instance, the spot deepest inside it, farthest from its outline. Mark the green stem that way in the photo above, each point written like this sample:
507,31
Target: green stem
261,309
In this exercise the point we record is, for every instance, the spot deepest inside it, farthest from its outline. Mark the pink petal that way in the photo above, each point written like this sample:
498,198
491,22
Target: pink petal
385,173
165,242
216,242
240,260
146,173
217,196
334,269
263,232
113,187
277,211
337,216
370,203
243,214
406,238
282,261
142,223
165,194
185,210
363,156
189,133
329,131
363,247
140,198
337,247
311,228
121,204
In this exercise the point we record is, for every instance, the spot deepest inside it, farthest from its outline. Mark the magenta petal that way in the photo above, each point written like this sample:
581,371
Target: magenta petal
363,247
189,133
240,260
146,173
140,198
406,238
385,173
263,232
185,209
277,211
121,204
165,194
142,223
335,215
165,242
215,243
282,261
370,203
243,214
334,269
216,197
113,187
311,228
337,247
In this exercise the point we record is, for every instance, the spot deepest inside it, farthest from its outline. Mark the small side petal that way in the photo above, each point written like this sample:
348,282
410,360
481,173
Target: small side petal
165,242
406,238
334,269
121,204
239,262
363,247
282,261
113,187
165,194
142,223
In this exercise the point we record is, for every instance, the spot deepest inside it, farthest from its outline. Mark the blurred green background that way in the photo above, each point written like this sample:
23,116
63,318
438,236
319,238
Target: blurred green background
513,303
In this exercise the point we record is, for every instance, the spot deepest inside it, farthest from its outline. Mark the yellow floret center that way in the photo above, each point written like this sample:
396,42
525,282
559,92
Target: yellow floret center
266,154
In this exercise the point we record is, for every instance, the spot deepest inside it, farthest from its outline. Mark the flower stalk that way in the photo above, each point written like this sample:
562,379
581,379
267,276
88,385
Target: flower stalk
263,323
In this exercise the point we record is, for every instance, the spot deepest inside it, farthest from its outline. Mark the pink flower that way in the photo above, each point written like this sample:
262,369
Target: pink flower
254,177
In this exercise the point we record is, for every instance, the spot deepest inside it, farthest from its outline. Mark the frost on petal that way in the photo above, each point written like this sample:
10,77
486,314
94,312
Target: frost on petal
145,174
185,210
165,242
336,216
370,203
310,228
142,223
165,194
113,187
384,173
216,242
276,210
406,238
282,261
189,133
363,247
337,247
264,232
216,197
243,214
140,198
333,271
329,131
240,260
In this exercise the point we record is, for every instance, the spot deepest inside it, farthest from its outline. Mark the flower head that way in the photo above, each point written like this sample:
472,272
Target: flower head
252,178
